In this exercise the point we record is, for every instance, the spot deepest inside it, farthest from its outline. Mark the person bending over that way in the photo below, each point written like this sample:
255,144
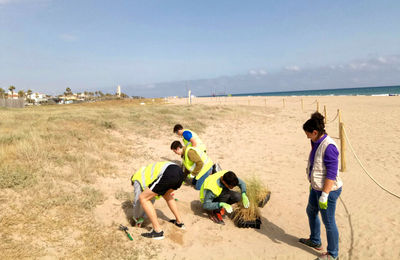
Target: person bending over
157,179
196,162
189,137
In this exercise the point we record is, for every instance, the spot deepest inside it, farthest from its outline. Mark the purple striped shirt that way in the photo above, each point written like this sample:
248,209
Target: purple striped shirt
331,158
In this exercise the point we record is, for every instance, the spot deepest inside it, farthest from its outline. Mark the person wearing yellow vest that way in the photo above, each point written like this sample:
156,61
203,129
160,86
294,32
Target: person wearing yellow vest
216,193
157,179
195,162
189,137
325,187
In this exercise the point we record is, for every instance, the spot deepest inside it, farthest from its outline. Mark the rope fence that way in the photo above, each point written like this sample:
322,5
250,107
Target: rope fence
343,136
365,170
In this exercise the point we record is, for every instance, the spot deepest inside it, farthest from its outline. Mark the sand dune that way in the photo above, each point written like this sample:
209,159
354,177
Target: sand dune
268,141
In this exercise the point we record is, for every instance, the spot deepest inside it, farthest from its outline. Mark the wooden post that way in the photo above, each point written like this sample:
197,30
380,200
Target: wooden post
283,101
317,106
302,105
324,114
342,148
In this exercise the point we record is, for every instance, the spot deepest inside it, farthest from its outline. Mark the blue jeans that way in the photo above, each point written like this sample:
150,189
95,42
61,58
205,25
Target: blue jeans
197,183
328,218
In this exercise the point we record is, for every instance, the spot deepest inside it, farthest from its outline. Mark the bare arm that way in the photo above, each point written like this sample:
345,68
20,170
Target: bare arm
193,141
328,185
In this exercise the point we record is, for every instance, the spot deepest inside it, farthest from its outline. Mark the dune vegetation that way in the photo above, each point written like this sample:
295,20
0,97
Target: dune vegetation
50,159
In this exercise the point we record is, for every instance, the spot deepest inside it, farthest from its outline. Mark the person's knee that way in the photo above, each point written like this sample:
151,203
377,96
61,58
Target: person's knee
236,197
311,210
197,186
143,198
329,223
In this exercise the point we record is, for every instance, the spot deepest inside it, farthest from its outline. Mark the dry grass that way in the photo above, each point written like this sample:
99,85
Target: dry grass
256,192
50,159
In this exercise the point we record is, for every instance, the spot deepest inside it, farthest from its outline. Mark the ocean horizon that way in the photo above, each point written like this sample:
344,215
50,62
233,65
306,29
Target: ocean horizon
363,91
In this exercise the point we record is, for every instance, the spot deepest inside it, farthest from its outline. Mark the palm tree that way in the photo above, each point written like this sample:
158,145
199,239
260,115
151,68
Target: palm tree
68,91
11,88
21,94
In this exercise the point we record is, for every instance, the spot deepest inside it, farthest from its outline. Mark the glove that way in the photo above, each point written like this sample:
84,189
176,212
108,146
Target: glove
226,206
323,200
245,200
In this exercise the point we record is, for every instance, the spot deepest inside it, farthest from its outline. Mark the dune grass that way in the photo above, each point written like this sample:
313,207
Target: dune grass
50,159
256,192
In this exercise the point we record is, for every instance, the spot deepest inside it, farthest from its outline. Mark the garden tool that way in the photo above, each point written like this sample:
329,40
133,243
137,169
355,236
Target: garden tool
125,229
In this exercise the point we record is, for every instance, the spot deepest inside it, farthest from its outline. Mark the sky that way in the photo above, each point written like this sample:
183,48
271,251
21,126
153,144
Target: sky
163,48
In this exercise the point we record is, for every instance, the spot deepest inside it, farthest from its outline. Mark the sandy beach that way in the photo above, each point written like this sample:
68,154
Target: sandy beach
260,137
268,142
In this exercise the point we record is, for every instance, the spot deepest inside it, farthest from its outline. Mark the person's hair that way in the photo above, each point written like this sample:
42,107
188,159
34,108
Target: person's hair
175,145
177,127
316,122
231,179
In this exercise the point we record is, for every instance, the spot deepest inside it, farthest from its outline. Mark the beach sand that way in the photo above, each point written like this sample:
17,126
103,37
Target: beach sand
268,141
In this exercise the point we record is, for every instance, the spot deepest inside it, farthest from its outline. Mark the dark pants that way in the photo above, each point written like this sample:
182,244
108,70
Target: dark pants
228,196
328,218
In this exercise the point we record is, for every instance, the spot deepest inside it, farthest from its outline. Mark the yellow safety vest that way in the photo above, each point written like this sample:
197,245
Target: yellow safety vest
190,166
147,174
211,184
199,144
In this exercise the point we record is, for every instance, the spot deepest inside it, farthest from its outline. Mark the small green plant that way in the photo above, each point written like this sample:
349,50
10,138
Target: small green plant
108,125
15,178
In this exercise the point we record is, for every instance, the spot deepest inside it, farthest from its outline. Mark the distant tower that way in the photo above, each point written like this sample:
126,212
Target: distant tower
119,90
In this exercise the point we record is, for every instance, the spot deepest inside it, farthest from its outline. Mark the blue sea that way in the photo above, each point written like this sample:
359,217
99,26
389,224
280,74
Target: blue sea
367,91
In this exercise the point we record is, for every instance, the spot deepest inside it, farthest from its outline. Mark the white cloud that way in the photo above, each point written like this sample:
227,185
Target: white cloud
382,60
292,68
258,72
68,37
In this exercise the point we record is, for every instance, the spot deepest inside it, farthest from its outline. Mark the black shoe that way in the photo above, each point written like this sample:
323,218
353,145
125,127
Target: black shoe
154,235
310,243
179,225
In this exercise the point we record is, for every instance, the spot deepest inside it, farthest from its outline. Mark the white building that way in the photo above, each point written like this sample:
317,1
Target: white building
13,95
37,97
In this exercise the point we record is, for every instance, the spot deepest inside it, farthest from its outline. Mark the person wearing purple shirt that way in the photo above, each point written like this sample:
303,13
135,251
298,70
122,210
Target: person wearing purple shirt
331,158
325,187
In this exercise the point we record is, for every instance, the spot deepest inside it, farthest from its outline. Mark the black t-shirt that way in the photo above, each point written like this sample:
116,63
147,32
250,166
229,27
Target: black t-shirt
171,178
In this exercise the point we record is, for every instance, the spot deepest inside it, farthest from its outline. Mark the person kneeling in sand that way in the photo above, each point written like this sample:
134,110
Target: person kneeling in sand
156,179
216,194
189,137
195,161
